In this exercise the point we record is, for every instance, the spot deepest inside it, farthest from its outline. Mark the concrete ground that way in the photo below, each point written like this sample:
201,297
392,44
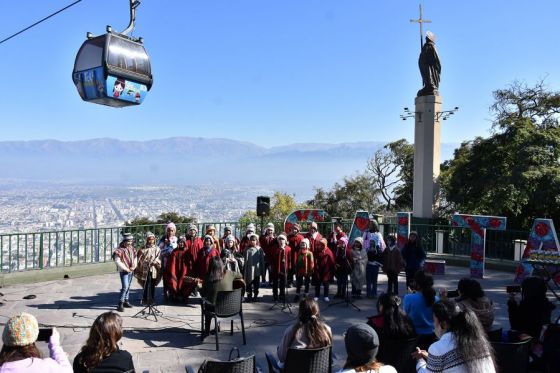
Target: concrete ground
167,345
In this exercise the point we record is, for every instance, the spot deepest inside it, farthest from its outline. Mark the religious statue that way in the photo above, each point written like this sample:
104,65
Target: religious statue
430,67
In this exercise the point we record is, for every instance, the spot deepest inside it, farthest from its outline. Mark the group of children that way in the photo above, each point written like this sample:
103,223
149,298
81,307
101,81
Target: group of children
288,259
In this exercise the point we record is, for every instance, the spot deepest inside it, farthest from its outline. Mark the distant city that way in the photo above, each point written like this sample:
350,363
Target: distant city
52,207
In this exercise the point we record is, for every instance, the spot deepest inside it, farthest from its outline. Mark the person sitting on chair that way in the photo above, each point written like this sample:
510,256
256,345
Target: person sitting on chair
308,331
217,279
101,352
362,344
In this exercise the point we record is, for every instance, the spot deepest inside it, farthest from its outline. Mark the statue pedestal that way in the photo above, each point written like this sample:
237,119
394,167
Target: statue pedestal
426,156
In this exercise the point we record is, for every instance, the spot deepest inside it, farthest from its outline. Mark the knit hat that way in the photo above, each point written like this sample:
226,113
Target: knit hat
227,228
182,239
251,227
20,330
360,240
296,226
150,234
342,240
171,225
306,242
210,227
253,235
282,235
191,227
127,236
270,226
229,238
314,225
362,343
324,242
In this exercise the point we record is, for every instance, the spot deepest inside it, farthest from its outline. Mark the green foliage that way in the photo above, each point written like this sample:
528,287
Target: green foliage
355,193
516,171
163,218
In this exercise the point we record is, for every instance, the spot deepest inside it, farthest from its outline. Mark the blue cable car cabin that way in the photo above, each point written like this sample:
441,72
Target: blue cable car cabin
112,69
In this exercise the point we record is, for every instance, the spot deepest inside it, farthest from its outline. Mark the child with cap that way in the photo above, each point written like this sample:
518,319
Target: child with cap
304,268
359,259
362,344
20,354
253,267
125,260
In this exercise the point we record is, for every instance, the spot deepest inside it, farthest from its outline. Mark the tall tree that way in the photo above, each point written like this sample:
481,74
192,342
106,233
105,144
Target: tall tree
516,171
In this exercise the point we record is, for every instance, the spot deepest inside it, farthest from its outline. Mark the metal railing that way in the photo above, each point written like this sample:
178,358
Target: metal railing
39,250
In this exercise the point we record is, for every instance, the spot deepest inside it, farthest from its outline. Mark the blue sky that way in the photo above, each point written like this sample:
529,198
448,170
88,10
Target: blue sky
274,72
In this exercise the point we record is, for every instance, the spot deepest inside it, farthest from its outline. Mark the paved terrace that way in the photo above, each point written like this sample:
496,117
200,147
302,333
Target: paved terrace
166,346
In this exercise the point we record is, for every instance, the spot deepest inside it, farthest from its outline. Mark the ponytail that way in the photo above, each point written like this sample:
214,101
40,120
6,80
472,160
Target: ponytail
425,282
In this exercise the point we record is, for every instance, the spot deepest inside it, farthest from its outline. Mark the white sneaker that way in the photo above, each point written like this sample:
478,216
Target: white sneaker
315,299
326,299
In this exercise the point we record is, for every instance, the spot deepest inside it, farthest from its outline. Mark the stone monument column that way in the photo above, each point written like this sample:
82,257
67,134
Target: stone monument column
427,130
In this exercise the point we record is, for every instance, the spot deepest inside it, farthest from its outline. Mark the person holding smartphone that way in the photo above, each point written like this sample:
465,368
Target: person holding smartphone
20,354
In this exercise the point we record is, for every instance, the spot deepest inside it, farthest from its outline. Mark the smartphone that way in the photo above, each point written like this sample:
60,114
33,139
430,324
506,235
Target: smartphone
44,334
513,289
453,294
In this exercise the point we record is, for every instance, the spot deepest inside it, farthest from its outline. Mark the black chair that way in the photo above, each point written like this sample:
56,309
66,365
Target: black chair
494,335
228,304
512,357
397,352
300,360
551,349
243,365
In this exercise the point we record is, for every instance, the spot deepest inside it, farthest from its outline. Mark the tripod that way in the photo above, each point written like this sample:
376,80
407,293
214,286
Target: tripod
148,298
283,304
347,300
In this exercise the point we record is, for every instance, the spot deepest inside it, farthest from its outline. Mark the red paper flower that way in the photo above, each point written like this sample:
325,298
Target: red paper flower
495,223
403,221
361,223
541,229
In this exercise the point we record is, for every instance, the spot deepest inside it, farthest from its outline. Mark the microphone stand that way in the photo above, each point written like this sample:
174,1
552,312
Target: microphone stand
283,304
151,308
347,299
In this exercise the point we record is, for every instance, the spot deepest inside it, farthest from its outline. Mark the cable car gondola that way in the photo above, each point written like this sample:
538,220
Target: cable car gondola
113,69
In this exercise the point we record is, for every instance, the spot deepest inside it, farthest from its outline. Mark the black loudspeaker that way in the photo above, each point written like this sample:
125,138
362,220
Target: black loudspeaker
263,206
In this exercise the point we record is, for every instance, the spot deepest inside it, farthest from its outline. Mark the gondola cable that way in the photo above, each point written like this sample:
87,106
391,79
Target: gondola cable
40,21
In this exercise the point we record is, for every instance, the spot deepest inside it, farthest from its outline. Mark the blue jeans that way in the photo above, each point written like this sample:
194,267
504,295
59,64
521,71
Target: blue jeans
126,280
372,270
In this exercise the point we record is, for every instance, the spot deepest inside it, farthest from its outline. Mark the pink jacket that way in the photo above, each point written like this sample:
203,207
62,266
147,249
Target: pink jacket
57,363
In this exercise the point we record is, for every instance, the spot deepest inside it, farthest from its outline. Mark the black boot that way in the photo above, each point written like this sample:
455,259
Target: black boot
120,307
126,304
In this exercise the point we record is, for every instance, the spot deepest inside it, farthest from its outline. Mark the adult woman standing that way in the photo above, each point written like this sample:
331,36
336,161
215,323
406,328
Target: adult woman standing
148,272
414,257
418,307
462,346
20,354
125,259
101,352
308,331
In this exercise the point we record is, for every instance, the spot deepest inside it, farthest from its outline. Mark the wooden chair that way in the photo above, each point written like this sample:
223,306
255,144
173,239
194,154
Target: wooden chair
228,304
301,360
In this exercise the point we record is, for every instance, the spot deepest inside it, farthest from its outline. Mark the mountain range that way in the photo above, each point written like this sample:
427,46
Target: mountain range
186,160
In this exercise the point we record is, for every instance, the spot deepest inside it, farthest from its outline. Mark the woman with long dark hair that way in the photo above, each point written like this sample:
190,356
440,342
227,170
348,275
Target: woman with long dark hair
20,354
391,321
217,279
472,296
309,331
418,307
414,257
101,352
462,346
